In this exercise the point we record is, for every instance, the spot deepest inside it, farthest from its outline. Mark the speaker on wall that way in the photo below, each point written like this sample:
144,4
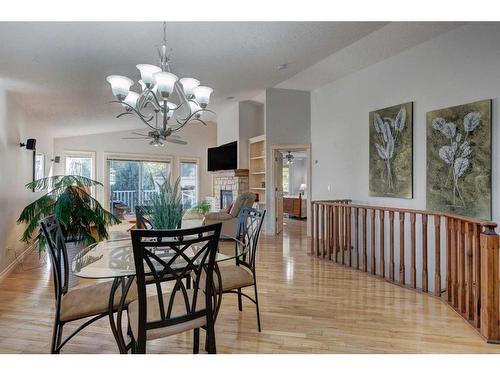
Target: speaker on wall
30,144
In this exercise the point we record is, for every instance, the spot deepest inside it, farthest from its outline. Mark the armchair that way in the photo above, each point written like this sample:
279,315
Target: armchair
230,220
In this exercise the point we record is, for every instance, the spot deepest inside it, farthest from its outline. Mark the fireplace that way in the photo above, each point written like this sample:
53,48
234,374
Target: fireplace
226,198
227,186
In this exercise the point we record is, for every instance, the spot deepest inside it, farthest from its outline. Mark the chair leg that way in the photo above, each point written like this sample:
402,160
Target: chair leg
57,348
140,347
240,305
257,305
210,341
55,334
196,341
188,282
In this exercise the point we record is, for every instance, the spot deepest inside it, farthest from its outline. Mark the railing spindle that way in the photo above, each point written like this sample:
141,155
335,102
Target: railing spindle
336,238
425,279
312,227
363,217
349,236
401,247
372,242
356,238
437,255
469,274
391,245
342,234
382,243
461,268
316,220
449,284
477,275
413,255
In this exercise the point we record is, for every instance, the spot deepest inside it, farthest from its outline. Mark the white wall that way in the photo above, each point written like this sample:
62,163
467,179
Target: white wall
199,138
15,172
287,122
228,124
458,67
251,124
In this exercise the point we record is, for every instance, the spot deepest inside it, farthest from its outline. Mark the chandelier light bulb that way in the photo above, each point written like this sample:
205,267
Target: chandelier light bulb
188,85
194,108
120,86
202,95
147,71
165,82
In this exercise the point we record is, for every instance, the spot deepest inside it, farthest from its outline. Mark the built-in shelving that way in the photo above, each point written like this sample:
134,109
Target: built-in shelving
257,167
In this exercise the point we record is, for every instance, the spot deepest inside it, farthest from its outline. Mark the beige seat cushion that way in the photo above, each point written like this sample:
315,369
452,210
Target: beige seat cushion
233,277
179,309
91,300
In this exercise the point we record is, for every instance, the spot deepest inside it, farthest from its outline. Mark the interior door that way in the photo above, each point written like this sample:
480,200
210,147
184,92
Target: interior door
278,188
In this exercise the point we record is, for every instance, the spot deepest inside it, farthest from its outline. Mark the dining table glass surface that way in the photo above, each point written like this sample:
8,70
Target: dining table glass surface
114,258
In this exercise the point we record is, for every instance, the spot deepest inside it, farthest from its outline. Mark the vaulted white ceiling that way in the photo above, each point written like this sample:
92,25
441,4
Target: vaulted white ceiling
57,71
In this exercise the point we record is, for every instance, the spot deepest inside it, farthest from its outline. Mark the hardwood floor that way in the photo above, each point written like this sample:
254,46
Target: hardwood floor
308,305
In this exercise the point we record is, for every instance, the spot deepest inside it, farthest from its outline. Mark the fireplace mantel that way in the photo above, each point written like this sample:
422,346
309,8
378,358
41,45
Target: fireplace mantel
232,173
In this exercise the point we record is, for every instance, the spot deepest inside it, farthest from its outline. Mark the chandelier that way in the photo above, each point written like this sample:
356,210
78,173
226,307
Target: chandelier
289,157
154,105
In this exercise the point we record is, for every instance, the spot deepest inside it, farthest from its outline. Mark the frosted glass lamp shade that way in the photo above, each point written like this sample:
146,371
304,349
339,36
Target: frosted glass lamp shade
147,71
302,188
165,82
189,84
131,100
202,95
120,86
194,107
171,107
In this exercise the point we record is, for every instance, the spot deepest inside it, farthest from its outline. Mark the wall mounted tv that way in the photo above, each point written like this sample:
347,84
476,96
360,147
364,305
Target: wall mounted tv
223,157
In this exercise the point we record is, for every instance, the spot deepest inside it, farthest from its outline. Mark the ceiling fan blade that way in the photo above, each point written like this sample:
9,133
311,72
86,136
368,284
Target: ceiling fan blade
141,134
135,138
175,140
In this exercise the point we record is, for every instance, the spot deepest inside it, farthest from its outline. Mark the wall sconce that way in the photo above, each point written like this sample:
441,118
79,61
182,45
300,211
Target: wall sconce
56,159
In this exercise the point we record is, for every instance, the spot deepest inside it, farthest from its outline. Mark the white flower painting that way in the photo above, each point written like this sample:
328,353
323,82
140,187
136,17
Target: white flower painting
459,159
391,151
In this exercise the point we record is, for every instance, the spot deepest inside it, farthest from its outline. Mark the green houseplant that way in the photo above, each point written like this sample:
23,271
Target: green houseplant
68,199
201,208
165,210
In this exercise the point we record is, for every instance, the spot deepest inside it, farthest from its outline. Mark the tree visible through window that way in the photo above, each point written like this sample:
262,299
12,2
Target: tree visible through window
189,184
80,166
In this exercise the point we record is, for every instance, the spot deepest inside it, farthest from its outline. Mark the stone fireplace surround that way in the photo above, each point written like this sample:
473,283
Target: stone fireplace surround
235,180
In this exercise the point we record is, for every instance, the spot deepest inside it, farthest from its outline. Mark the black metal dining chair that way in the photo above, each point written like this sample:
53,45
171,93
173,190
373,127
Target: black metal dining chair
242,274
174,308
91,302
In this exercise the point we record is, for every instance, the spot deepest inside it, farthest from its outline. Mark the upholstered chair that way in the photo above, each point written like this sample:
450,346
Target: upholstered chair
90,302
230,220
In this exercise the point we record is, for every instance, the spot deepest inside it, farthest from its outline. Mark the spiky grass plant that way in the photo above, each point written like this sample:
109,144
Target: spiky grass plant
68,199
201,208
165,209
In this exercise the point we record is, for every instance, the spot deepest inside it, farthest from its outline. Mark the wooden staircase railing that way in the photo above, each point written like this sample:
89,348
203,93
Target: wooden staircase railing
466,249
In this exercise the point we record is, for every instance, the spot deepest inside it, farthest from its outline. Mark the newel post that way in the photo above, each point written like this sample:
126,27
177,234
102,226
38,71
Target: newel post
489,284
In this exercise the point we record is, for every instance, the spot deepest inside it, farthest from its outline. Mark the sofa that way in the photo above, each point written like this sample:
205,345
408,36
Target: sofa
230,220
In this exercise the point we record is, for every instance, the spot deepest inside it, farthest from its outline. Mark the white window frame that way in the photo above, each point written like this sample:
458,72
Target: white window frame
131,157
81,154
196,161
43,163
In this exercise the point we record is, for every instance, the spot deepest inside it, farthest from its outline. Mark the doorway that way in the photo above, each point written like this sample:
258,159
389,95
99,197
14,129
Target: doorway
291,184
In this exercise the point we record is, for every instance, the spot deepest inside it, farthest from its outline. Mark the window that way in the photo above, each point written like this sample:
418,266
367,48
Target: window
79,165
189,183
133,182
39,166
286,179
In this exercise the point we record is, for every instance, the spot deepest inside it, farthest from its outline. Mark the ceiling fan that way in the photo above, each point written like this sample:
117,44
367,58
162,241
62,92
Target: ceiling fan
159,137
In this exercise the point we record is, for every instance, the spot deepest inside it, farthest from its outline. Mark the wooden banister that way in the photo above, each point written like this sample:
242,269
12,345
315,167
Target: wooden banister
468,247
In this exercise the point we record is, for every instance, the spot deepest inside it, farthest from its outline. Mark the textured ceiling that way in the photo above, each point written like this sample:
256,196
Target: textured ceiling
57,70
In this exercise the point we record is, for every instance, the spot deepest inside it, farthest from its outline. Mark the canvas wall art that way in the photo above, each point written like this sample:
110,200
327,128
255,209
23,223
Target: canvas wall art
391,152
459,160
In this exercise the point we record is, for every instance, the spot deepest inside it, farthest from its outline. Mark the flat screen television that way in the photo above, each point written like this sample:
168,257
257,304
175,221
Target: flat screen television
223,157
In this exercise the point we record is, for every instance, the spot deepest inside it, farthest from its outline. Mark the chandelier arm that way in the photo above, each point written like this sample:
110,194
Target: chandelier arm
186,121
138,113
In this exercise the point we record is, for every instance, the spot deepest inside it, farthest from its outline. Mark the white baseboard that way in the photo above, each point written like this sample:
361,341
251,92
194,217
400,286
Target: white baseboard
15,262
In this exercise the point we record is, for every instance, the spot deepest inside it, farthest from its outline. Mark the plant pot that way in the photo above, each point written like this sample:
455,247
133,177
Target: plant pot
72,248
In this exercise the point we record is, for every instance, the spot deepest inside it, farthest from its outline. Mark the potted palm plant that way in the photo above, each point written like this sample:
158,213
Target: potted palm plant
82,218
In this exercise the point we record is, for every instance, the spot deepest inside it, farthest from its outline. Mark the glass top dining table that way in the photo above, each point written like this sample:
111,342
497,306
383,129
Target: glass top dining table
114,258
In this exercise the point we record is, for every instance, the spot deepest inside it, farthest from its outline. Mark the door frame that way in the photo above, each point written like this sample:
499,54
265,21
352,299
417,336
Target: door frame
272,208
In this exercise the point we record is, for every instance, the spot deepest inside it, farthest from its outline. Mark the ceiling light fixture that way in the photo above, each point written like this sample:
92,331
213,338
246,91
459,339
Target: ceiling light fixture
289,157
154,105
